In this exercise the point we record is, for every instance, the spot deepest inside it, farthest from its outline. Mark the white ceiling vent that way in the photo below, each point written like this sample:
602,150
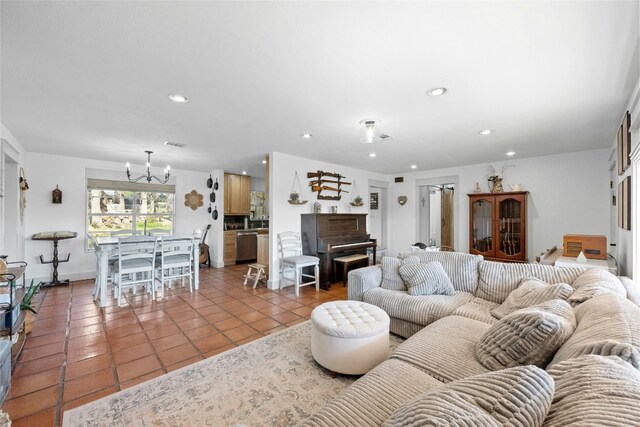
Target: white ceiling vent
174,144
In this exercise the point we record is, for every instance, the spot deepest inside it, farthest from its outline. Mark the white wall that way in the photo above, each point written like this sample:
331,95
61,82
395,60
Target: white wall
45,171
258,184
569,193
285,216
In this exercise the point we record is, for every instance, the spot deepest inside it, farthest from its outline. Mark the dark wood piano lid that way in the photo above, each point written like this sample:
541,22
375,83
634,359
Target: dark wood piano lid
341,224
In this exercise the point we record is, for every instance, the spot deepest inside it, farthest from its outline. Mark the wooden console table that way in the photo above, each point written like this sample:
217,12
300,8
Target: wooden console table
55,236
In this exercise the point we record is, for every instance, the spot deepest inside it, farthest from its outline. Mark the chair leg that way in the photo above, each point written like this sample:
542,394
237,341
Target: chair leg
298,273
258,273
317,274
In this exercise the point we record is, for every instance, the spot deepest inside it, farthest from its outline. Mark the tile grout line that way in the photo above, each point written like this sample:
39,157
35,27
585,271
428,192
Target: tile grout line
63,368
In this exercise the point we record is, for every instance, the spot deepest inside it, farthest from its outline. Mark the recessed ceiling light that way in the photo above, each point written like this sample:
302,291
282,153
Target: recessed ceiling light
306,135
437,91
486,132
244,172
263,161
510,153
413,166
180,99
372,155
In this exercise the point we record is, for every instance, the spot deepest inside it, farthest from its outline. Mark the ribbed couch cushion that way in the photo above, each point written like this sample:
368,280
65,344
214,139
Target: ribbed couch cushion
608,325
391,278
477,309
498,279
529,336
531,291
426,279
516,397
422,309
445,349
461,268
594,282
595,391
370,400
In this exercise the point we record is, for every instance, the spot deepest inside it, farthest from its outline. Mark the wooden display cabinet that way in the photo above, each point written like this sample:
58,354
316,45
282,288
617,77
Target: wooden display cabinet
498,226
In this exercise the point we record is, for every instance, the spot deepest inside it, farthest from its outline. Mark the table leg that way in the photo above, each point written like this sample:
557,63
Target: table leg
196,266
102,276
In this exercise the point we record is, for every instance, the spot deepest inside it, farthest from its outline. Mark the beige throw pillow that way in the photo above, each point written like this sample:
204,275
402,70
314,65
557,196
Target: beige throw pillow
594,282
391,279
516,397
531,291
529,336
426,279
595,390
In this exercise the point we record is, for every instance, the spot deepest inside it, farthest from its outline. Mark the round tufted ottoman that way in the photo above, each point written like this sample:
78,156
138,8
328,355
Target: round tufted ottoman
349,337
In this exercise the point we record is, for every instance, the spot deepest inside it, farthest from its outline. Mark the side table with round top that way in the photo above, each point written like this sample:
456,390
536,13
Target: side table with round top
349,337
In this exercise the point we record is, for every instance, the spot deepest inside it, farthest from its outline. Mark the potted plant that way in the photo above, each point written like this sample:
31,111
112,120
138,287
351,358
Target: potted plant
294,198
30,312
357,201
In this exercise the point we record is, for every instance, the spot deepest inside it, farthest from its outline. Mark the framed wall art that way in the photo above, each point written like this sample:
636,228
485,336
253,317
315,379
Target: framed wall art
624,144
624,204
373,201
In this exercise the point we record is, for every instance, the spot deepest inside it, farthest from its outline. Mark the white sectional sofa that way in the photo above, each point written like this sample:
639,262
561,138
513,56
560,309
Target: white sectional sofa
470,352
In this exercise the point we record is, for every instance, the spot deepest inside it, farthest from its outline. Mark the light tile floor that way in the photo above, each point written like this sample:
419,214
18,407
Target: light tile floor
78,352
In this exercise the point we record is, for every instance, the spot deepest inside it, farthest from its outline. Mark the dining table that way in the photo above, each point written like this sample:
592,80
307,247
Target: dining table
108,245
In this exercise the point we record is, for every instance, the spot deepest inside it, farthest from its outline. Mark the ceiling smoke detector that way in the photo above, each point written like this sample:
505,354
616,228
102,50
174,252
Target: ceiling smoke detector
174,144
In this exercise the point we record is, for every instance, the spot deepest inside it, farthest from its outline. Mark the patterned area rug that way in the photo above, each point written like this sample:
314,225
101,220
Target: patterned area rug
273,381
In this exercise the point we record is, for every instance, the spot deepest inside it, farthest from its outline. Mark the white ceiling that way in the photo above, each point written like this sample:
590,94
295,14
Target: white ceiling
90,79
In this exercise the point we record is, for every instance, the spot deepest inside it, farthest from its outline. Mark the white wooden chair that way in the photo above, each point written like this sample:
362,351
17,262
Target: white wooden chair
124,233
159,232
175,261
136,264
291,258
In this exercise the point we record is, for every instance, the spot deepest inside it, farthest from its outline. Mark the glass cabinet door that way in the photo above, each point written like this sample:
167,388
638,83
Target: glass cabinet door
482,233
510,228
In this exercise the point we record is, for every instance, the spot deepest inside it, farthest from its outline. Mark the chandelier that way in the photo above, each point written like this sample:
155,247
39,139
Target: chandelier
148,175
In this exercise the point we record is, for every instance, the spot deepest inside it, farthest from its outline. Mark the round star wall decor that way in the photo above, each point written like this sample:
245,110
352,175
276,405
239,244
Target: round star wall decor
193,200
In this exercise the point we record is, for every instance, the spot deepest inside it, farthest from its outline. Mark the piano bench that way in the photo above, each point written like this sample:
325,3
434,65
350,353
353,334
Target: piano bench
348,261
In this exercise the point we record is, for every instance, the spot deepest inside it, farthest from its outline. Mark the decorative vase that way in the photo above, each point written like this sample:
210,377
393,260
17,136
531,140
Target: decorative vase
495,184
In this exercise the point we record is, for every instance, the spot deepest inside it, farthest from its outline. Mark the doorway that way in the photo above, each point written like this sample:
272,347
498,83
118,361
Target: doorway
436,213
10,243
378,215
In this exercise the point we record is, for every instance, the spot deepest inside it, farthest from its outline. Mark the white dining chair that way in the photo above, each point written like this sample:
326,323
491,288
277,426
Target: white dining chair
175,262
136,264
124,233
292,259
159,232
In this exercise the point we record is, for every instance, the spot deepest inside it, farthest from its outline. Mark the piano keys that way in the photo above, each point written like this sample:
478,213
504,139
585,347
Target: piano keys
329,236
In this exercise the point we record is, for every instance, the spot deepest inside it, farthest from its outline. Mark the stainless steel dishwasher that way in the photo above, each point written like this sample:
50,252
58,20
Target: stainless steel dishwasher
247,246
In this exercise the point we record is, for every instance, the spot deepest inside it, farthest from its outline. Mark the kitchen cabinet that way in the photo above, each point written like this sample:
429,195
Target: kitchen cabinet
230,247
498,226
237,194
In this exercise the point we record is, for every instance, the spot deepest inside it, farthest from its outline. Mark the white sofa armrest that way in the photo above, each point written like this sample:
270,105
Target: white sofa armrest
633,292
363,279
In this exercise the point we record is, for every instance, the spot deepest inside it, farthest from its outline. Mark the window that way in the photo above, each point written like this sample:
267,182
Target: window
115,205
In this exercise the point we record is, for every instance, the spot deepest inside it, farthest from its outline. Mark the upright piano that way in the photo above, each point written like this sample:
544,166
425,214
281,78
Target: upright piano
329,236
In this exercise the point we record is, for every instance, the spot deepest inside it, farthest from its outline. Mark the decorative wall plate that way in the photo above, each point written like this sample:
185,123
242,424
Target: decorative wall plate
193,200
